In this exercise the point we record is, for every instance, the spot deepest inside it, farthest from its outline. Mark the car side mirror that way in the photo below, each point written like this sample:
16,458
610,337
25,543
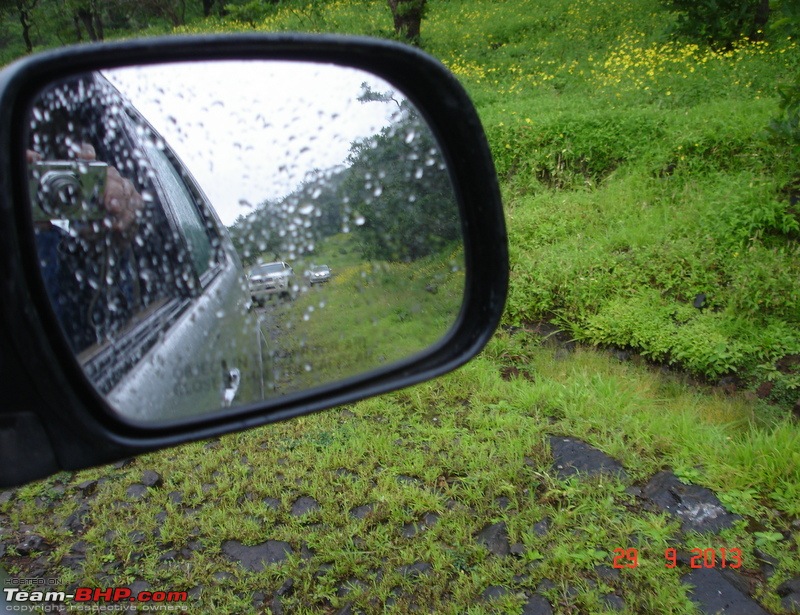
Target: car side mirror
204,234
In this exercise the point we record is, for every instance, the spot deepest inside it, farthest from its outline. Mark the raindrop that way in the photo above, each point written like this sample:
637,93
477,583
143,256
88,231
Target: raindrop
359,220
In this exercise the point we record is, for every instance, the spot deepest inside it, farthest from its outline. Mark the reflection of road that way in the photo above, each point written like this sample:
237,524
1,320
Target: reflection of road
275,356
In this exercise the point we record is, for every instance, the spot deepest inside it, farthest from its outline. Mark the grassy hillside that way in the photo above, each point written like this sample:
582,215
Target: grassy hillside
646,209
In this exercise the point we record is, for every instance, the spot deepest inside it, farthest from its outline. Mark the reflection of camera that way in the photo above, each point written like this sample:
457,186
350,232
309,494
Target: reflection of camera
66,190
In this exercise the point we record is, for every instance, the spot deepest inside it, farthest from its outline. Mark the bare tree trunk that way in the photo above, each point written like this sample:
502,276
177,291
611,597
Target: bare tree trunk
25,21
407,16
87,18
760,22
77,23
98,24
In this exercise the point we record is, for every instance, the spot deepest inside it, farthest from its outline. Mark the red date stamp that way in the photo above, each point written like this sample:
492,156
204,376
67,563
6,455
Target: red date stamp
699,558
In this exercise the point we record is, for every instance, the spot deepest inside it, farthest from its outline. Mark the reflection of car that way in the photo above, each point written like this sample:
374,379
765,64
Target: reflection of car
270,279
141,315
318,274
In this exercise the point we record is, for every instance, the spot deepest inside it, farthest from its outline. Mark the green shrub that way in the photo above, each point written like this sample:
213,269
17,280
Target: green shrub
720,22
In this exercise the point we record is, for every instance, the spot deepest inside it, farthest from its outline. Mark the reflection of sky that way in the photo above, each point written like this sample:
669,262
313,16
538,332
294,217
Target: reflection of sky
251,130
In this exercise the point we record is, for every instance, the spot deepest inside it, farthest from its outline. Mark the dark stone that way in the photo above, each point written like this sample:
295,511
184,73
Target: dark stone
768,563
542,527
30,544
789,591
123,463
273,503
137,537
87,487
495,538
258,600
614,602
6,497
537,605
304,505
503,502
607,574
286,589
714,594
697,507
415,570
152,479
175,497
76,522
168,555
517,549
545,585
360,512
571,456
350,585
254,558
493,592
699,301
137,491
139,585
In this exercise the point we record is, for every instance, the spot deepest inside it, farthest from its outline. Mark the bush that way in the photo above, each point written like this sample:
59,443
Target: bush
720,22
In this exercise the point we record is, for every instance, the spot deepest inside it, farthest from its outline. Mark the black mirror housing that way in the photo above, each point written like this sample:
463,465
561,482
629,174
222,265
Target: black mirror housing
52,417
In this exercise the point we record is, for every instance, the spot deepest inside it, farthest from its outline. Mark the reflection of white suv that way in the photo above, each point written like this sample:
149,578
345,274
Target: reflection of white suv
270,279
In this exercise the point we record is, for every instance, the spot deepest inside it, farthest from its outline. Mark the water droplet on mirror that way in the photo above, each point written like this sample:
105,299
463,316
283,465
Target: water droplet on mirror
359,220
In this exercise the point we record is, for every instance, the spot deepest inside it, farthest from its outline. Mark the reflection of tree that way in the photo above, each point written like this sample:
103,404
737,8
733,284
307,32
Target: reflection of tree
399,185
394,196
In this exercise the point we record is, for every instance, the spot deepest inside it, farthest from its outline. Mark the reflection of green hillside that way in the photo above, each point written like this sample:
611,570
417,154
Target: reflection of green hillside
369,315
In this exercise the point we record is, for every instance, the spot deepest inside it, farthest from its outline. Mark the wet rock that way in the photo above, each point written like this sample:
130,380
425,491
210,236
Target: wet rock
76,522
789,591
31,543
304,505
493,592
87,487
537,605
412,529
697,508
137,491
495,538
712,592
613,602
137,537
123,463
572,456
254,558
350,585
542,527
607,574
273,503
153,479
360,512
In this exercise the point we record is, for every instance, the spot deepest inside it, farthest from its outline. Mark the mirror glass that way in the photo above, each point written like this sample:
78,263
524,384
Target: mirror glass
212,234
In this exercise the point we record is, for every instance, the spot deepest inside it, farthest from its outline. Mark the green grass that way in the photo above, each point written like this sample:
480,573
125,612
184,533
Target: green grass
370,315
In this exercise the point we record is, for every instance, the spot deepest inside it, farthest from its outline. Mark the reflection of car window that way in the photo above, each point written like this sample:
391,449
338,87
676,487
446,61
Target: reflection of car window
183,206
271,268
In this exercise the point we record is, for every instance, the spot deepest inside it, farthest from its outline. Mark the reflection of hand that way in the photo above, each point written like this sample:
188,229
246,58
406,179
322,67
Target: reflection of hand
120,199
122,202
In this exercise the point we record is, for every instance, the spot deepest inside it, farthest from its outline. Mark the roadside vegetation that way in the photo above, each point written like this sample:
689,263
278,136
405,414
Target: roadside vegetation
651,187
